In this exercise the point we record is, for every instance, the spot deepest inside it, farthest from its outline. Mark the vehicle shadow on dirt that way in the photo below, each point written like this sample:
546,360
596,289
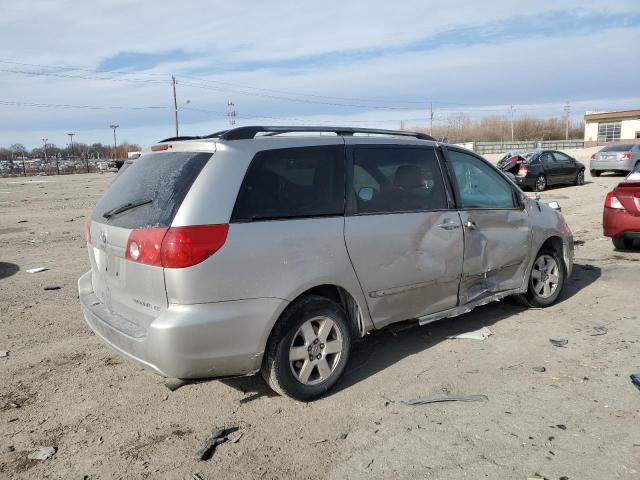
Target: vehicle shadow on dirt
8,269
386,347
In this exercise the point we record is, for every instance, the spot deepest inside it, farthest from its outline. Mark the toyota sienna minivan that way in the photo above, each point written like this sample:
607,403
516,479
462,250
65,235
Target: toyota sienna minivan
271,249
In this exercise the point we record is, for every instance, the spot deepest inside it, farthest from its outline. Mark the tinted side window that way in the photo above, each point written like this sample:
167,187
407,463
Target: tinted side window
480,185
561,157
292,182
548,160
389,179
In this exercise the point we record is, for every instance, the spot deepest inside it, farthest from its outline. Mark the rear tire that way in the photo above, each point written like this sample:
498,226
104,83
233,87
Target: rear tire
308,349
595,173
579,178
546,280
621,243
540,184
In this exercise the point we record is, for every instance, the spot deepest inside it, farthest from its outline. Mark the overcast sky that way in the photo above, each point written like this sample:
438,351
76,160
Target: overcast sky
79,66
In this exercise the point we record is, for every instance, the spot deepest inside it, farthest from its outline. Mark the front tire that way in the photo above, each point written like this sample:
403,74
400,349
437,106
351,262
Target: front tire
308,349
579,178
540,184
545,280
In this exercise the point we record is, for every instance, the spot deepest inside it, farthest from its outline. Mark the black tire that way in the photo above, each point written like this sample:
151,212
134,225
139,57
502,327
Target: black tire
579,178
621,243
595,173
540,183
277,370
531,298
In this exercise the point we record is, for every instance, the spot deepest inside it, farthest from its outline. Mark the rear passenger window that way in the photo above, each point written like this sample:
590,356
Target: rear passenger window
479,184
387,180
292,183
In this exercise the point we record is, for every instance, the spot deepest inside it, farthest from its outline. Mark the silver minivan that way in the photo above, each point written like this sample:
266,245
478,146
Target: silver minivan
271,249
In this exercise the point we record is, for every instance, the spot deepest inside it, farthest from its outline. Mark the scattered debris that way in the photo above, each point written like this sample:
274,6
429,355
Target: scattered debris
7,449
53,287
537,476
197,476
317,442
4,353
559,343
446,398
481,334
561,426
36,270
343,435
175,384
578,242
23,221
635,379
43,453
599,331
539,369
219,436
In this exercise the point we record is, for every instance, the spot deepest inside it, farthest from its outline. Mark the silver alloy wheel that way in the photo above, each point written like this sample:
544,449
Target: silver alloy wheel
545,276
580,177
541,183
315,350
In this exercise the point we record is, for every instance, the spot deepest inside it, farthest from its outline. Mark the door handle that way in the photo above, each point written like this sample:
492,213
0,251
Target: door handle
449,226
470,224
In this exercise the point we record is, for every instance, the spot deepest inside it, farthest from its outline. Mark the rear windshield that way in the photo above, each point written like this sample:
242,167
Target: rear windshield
617,148
158,182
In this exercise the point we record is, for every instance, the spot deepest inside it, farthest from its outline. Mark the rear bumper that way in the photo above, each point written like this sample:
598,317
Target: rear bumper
607,165
189,341
620,222
525,182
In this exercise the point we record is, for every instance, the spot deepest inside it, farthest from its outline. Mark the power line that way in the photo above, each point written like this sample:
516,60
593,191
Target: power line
84,107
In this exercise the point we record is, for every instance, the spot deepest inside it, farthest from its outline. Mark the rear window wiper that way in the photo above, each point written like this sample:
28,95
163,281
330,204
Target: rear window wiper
125,207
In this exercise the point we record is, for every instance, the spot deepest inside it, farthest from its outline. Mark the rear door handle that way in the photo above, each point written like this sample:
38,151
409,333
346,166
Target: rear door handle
470,224
449,226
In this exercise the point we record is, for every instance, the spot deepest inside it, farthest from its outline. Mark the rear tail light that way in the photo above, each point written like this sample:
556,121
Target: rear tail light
625,156
514,159
593,157
611,201
87,230
522,172
159,148
176,247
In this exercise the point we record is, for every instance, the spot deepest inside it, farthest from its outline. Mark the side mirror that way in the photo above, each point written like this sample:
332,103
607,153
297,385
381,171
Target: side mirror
365,193
555,206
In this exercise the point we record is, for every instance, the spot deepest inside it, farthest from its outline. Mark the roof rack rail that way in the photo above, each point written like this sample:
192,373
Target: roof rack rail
246,133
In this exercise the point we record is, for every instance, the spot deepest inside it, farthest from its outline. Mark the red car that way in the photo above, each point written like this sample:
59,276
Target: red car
621,218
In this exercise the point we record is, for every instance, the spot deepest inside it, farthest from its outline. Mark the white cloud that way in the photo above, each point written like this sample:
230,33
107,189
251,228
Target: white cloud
528,70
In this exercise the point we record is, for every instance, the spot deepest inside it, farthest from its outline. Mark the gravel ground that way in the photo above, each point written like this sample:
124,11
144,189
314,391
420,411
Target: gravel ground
578,419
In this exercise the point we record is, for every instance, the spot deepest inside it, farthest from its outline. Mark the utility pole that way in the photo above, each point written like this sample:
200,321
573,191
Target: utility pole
175,103
115,143
567,112
231,112
511,108
431,118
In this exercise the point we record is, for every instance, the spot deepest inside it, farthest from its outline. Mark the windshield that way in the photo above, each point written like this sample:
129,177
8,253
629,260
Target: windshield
150,190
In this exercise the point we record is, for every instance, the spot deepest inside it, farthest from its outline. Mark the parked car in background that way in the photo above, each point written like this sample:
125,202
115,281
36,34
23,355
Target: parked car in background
252,250
615,158
621,217
537,169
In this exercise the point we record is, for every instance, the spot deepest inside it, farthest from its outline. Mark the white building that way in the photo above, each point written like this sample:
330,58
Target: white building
602,127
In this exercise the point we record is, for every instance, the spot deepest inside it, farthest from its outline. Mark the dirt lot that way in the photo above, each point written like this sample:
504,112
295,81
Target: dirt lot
579,419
